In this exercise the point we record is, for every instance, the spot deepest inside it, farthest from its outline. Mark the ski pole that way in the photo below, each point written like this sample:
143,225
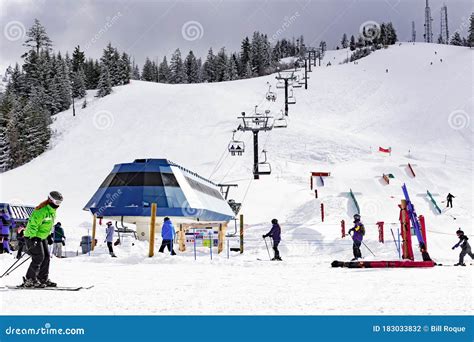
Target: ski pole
395,242
13,265
367,248
268,251
11,271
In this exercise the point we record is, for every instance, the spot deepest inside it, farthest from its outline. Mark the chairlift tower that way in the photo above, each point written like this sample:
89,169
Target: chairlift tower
444,24
428,24
287,77
255,124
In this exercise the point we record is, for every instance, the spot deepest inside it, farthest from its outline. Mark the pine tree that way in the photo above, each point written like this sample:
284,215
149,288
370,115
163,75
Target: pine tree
391,34
5,160
164,71
245,53
456,39
231,72
209,67
79,84
352,43
177,68
125,69
221,65
104,87
78,59
191,68
135,72
147,72
111,59
344,41
470,38
37,38
248,70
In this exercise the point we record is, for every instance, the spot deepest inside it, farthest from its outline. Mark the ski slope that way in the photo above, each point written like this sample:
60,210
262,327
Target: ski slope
421,108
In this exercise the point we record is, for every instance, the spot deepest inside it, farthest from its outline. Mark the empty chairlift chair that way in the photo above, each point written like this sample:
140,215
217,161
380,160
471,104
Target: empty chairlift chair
291,97
280,84
263,168
280,122
236,147
297,83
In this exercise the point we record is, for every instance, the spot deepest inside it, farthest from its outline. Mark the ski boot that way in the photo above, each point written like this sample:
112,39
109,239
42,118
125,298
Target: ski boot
48,283
113,255
32,283
460,264
279,259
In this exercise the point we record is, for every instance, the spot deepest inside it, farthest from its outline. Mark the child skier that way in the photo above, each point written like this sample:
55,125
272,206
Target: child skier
465,247
58,239
36,235
275,234
21,240
358,232
167,233
109,238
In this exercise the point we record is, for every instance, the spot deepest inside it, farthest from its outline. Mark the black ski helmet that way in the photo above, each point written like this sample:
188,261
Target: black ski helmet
274,221
357,217
459,232
55,197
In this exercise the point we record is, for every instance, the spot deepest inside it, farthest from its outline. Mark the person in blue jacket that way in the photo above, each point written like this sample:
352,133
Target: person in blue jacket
5,224
167,233
109,238
358,232
275,234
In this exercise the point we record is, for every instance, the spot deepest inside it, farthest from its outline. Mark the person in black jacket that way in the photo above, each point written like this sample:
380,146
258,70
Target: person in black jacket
275,234
465,247
449,199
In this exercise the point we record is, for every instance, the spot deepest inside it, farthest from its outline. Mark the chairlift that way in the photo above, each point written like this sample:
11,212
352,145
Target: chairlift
297,83
291,98
236,147
271,95
280,122
263,168
280,84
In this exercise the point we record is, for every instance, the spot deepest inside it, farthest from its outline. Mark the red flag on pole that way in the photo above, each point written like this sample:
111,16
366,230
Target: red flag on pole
385,150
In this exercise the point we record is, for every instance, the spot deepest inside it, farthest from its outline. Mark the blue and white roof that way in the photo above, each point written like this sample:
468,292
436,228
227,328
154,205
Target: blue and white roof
130,189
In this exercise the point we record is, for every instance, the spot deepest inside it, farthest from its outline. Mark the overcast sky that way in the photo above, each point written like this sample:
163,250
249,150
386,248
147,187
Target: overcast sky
156,28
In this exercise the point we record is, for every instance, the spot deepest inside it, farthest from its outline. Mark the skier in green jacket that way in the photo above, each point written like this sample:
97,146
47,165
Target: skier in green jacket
37,237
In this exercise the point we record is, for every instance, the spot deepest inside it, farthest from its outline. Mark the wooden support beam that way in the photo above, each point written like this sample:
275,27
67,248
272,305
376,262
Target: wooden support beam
221,237
94,227
182,238
151,250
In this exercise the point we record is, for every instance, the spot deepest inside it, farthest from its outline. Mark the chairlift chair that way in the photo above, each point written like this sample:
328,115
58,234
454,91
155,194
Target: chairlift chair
280,122
297,83
263,168
271,96
236,147
291,98
280,84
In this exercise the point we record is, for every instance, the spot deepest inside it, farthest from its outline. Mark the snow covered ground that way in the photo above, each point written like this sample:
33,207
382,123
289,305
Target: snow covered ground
404,97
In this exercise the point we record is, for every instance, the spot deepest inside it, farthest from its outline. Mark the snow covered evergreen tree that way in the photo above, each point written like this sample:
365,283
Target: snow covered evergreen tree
352,44
210,68
37,38
191,68
164,71
344,41
105,86
456,39
147,72
470,38
177,68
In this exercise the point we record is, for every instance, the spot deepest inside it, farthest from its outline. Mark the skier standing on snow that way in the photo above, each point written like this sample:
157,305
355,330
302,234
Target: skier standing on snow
275,234
21,240
358,232
5,224
167,233
449,199
37,234
465,247
109,238
58,239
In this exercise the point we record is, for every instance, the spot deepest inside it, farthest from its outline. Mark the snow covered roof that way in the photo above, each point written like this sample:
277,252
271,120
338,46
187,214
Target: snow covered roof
131,188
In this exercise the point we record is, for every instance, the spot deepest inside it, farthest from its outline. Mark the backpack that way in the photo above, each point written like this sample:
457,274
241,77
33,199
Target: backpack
362,229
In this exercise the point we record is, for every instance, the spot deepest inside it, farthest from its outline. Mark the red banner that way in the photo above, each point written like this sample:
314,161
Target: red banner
385,150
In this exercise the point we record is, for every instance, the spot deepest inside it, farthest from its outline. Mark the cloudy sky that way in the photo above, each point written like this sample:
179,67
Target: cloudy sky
156,28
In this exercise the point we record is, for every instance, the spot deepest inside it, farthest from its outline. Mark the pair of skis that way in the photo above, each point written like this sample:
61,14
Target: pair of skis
57,288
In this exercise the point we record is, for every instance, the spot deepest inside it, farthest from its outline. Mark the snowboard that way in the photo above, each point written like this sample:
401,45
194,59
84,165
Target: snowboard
57,288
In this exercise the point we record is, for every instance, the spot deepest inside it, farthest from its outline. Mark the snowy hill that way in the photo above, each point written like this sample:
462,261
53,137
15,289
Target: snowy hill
403,97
